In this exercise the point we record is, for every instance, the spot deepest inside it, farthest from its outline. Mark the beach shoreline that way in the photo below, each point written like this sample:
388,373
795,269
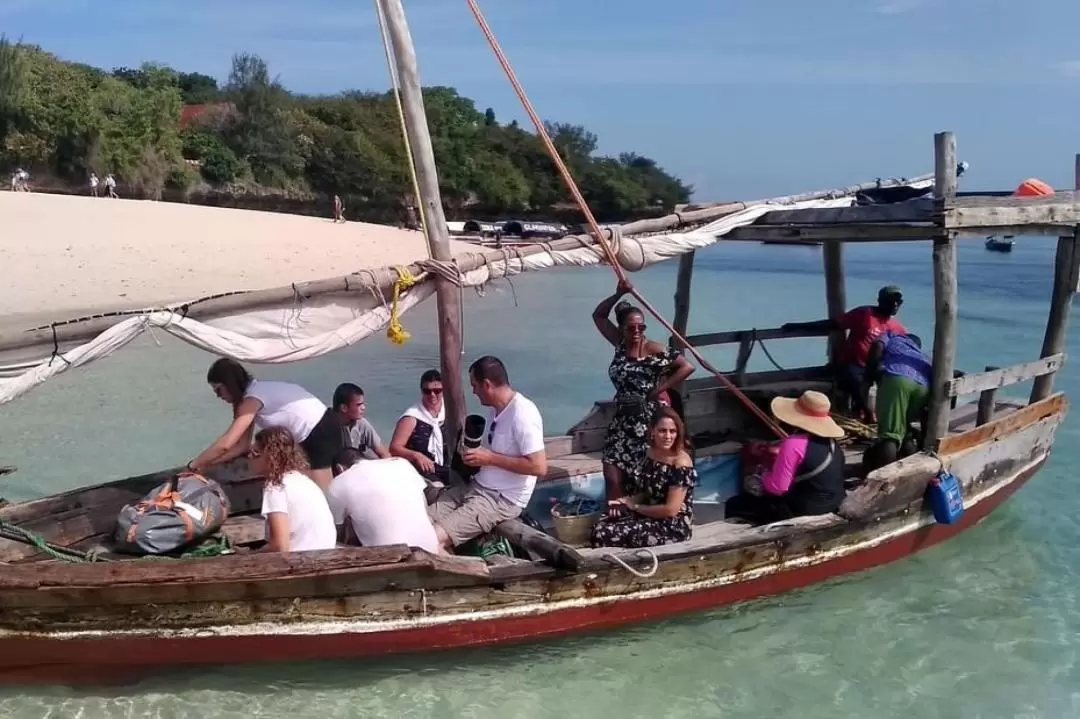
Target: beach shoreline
65,256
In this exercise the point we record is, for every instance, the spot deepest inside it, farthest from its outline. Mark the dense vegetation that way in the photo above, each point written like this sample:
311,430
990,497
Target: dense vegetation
164,132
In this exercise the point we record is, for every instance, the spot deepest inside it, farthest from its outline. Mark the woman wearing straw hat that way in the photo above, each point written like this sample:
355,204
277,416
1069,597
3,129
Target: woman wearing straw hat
807,476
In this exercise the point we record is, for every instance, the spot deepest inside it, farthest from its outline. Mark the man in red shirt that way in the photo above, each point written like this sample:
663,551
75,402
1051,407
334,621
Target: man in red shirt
863,326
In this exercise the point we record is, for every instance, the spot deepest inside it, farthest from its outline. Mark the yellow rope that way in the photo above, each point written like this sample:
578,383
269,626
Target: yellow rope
855,428
394,84
395,332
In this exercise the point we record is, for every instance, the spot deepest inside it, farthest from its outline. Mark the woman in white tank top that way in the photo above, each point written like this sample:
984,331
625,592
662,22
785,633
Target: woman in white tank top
255,404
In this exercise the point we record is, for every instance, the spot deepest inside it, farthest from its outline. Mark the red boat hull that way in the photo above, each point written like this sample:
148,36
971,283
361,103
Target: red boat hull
111,659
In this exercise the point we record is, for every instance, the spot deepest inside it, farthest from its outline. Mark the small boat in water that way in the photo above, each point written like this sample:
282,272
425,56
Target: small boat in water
1003,245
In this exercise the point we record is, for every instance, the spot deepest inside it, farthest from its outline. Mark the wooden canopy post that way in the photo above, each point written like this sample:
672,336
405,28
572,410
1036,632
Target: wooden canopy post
1065,285
945,293
447,295
682,296
832,253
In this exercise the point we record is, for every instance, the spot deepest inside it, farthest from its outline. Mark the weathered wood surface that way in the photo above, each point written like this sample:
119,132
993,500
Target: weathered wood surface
987,403
557,553
1012,213
245,529
85,515
1066,263
1015,374
738,336
903,484
683,283
245,577
832,257
945,297
1004,425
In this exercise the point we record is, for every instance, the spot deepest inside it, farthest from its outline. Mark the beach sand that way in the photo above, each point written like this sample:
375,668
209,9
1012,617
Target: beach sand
62,256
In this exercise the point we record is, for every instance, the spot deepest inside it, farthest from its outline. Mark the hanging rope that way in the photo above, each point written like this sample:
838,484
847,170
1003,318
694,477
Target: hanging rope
395,85
395,332
594,227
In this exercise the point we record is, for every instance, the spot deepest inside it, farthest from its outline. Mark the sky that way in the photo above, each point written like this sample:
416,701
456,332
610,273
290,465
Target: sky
741,98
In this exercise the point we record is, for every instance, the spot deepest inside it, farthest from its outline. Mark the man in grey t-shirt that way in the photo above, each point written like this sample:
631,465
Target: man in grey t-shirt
343,426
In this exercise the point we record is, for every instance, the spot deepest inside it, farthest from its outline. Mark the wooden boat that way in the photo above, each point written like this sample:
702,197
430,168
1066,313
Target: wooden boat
111,620
1003,245
110,617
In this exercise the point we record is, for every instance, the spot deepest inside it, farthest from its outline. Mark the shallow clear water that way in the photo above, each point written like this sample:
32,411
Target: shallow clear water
983,626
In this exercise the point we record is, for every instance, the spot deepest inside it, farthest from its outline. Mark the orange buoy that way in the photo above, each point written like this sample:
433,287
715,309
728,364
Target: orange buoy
1033,187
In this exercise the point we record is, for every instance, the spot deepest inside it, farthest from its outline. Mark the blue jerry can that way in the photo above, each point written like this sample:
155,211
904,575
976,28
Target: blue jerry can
946,498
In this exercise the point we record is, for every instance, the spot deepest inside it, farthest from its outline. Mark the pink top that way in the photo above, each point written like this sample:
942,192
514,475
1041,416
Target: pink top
790,455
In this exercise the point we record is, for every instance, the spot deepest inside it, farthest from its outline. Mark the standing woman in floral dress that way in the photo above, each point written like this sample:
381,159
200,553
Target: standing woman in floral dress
641,371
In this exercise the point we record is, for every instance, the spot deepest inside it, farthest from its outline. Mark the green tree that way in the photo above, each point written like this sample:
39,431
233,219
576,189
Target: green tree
261,136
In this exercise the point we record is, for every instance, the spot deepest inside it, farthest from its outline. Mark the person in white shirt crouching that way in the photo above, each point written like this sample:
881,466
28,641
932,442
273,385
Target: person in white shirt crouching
510,458
383,501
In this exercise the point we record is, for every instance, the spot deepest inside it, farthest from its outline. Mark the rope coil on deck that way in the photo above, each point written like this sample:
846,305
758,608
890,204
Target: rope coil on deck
637,573
16,533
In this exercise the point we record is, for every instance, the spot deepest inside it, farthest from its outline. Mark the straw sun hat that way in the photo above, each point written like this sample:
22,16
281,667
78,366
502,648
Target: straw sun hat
809,412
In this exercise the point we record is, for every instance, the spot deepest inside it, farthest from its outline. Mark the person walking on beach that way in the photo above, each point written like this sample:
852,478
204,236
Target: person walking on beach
339,210
93,184
110,186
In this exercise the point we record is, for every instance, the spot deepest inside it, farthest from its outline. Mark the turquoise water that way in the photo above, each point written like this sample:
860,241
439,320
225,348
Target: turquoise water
983,626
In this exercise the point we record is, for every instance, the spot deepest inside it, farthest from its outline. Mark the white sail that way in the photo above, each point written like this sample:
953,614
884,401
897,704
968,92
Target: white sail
299,328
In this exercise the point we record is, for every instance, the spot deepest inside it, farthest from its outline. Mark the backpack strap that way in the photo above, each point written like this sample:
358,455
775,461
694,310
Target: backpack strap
820,468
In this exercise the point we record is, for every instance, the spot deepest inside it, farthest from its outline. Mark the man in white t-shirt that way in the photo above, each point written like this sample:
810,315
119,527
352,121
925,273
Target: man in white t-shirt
510,458
383,499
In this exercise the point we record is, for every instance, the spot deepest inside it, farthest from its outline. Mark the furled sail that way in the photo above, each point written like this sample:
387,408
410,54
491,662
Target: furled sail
309,319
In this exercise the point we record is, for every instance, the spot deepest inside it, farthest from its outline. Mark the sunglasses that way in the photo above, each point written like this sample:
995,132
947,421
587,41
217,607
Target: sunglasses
491,433
432,391
640,327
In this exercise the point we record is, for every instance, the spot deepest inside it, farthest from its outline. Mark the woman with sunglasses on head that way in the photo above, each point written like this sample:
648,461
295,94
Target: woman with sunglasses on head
642,371
418,433
255,403
298,516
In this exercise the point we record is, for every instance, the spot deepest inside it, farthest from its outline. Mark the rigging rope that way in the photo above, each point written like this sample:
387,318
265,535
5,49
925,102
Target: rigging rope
398,334
594,227
395,86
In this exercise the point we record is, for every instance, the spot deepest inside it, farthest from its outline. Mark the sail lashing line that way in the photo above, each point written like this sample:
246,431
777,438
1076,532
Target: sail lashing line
594,227
395,332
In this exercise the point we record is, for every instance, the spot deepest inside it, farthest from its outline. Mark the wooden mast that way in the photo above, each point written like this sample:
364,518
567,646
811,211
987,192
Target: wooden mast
945,293
447,295
1065,284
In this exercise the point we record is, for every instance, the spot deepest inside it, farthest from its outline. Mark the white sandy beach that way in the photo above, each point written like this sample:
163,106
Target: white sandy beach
61,255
